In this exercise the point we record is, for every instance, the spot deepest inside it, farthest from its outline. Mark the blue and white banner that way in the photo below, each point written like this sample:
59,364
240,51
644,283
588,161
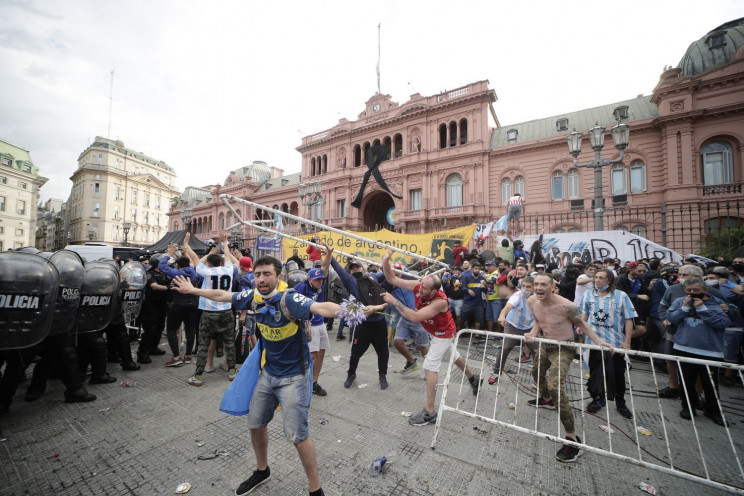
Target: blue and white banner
269,244
598,245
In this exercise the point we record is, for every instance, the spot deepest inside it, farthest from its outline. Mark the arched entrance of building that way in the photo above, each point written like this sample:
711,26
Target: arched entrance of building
374,211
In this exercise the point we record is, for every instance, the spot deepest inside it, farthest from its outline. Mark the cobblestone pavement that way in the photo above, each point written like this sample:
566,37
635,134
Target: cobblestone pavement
145,439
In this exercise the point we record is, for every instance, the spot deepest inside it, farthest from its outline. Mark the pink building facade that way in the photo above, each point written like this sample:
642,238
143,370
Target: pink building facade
452,163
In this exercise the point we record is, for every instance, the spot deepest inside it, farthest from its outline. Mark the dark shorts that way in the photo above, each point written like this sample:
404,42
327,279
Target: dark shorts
475,313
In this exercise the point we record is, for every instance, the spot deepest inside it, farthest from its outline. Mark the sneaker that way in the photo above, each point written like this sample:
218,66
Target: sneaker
188,359
174,362
423,418
524,358
253,482
130,366
318,389
340,337
476,384
231,374
410,367
541,403
568,453
195,381
157,351
668,392
493,379
383,382
595,405
624,411
349,380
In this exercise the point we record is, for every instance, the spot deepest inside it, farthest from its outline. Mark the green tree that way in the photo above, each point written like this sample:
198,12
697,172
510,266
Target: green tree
722,243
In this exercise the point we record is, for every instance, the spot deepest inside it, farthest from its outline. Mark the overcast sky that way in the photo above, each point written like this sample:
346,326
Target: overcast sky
212,86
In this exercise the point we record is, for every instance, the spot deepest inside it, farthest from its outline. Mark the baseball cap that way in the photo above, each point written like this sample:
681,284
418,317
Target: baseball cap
539,266
246,263
353,263
315,274
491,262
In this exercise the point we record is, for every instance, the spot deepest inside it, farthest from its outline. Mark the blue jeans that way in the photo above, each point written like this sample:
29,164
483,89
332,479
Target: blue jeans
493,309
293,393
407,329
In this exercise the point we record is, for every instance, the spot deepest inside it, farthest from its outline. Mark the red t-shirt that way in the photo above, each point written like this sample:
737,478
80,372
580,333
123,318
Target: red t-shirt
313,253
457,254
442,325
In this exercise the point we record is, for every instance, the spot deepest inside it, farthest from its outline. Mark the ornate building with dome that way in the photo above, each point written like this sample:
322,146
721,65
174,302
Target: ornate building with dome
450,162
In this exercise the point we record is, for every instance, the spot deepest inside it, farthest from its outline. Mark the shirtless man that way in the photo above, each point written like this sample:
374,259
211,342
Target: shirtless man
555,318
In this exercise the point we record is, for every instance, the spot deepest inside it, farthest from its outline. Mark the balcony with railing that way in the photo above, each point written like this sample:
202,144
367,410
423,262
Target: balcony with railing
722,189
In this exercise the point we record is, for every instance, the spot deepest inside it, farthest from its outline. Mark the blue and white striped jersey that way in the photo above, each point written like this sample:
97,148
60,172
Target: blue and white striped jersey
607,315
520,316
215,278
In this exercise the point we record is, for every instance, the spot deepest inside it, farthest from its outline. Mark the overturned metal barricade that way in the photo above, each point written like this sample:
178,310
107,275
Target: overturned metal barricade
649,440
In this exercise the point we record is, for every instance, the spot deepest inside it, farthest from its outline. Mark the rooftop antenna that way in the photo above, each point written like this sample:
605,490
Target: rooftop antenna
378,57
111,101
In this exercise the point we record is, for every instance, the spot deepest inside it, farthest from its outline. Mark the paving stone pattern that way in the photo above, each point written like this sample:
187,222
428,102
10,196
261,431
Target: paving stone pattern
145,442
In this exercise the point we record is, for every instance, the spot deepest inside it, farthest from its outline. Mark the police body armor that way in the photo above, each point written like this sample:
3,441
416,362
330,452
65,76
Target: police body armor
132,278
28,289
98,295
71,277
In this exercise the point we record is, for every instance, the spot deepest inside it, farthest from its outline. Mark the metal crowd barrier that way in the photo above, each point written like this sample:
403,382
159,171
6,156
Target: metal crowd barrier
710,458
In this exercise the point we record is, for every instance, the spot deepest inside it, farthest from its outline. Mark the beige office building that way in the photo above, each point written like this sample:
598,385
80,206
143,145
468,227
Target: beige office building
115,187
19,194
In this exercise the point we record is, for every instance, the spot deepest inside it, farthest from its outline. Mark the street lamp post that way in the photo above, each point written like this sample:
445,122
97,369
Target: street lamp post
126,226
620,136
186,214
310,196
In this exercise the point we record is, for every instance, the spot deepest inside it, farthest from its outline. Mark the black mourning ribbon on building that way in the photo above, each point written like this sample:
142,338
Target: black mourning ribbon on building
375,155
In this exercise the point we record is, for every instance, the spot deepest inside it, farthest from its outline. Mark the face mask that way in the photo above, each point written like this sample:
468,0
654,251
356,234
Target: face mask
712,282
698,296
357,275
268,296
738,267
604,288
527,292
681,280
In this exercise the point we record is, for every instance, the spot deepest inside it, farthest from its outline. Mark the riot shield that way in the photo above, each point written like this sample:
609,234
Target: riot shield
295,277
71,277
132,278
28,288
98,295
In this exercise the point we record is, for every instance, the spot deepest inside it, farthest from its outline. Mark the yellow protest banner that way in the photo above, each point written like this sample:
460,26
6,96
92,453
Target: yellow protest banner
437,245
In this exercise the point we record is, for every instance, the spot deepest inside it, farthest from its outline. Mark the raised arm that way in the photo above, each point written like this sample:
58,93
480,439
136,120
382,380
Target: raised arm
186,248
326,264
426,313
392,278
226,250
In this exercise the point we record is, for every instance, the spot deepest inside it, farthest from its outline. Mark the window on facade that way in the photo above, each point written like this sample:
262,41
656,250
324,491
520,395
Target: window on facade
415,199
453,133
118,194
2,246
621,228
506,190
511,135
115,233
157,202
556,186
718,165
519,185
157,219
96,190
21,207
621,112
97,176
637,177
716,224
716,40
357,155
133,233
574,229
19,232
573,184
2,204
397,145
134,197
96,209
619,181
134,215
147,199
116,212
341,208
312,166
23,185
2,231
3,180
463,131
7,161
145,217
639,230
561,124
453,184
443,136
365,149
388,144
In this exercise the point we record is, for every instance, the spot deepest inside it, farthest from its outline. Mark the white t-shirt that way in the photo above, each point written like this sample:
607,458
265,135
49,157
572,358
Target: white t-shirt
582,288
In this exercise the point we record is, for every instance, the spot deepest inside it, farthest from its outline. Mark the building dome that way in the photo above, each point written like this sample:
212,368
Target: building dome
715,49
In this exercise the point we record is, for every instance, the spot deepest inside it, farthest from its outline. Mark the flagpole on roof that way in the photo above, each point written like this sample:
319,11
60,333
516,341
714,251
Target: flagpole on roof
378,57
